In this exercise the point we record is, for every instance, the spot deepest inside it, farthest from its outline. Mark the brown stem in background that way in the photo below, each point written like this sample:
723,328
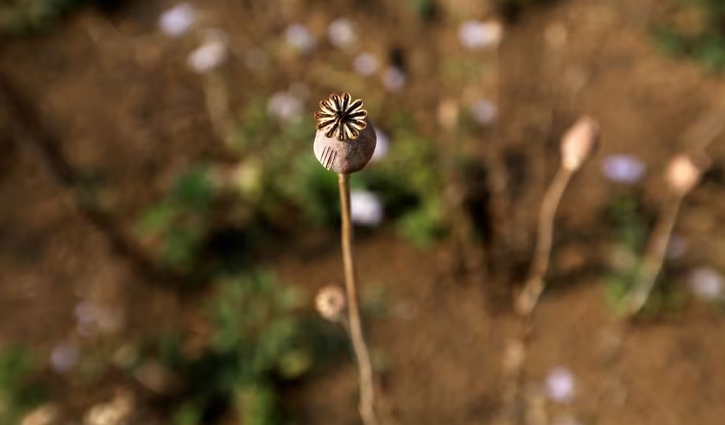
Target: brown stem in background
29,131
367,392
653,258
528,298
217,104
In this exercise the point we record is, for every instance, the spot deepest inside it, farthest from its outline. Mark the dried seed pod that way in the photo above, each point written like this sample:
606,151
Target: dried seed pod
345,139
330,303
682,174
578,143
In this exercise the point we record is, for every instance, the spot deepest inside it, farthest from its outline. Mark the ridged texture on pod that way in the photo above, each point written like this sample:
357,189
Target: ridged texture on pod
346,156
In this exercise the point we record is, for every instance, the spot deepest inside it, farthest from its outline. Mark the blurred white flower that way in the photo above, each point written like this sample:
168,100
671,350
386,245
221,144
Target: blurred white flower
381,146
393,78
366,208
676,247
300,38
178,20
560,385
92,318
209,55
85,312
64,357
365,64
480,35
341,33
484,111
86,316
706,283
285,106
623,169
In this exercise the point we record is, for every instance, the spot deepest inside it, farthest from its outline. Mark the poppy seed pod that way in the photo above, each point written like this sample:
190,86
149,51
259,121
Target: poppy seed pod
682,174
345,139
330,303
578,143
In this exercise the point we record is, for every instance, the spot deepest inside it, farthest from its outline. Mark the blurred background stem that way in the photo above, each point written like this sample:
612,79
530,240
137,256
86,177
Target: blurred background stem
526,301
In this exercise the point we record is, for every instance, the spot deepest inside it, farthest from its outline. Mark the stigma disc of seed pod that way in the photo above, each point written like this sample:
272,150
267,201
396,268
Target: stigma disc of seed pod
341,117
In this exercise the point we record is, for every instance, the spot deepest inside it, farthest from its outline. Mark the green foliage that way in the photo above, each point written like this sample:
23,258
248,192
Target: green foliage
178,224
631,231
25,16
422,226
706,42
314,190
259,340
407,179
19,391
630,237
409,184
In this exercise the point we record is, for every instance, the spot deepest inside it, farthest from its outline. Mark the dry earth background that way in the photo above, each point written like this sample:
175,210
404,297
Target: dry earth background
119,98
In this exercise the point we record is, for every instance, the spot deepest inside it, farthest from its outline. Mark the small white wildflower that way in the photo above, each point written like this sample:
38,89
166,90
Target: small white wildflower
381,147
480,35
560,385
484,111
393,78
285,106
676,247
85,312
623,169
365,64
706,283
178,20
92,318
300,38
366,208
341,33
64,357
208,56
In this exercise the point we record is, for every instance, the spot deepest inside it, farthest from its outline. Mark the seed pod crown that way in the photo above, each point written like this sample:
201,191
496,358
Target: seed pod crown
341,117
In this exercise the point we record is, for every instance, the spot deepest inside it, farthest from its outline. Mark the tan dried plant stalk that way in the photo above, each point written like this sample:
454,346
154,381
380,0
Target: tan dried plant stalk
535,284
682,176
577,145
354,325
653,258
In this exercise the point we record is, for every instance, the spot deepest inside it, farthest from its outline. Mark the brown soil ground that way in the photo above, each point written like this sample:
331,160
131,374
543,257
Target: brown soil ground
127,114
